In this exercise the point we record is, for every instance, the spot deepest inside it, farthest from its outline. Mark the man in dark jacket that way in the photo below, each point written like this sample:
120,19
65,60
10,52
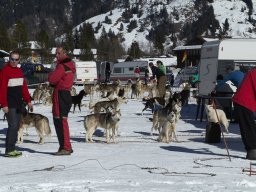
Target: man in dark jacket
107,72
245,106
14,91
62,79
160,77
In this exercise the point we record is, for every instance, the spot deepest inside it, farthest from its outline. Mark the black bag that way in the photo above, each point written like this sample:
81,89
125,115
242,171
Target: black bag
213,133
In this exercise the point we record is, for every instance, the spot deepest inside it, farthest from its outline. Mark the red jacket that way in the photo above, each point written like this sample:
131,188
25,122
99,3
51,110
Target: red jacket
61,78
137,70
14,89
246,93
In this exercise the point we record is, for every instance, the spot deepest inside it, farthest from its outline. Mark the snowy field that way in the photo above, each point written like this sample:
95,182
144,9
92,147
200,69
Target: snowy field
136,163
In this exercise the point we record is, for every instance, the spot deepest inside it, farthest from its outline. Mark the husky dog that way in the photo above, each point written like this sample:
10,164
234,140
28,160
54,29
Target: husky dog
37,92
169,128
159,116
150,103
40,122
109,121
128,87
106,105
152,89
212,116
136,89
90,89
114,87
46,97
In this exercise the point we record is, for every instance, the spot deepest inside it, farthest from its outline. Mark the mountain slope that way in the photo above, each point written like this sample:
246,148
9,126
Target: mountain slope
180,13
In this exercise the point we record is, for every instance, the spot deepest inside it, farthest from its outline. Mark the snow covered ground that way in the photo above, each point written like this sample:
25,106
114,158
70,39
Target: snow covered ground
136,163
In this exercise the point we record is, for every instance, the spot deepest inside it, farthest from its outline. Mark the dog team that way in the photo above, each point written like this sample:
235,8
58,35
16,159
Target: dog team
60,93
106,113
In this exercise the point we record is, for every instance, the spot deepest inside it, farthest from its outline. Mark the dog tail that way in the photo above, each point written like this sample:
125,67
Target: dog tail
47,129
224,121
91,105
85,124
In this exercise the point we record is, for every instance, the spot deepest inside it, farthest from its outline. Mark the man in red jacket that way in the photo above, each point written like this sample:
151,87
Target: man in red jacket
14,91
244,108
62,79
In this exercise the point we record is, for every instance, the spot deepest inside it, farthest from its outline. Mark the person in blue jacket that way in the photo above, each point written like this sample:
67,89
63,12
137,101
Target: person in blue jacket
235,76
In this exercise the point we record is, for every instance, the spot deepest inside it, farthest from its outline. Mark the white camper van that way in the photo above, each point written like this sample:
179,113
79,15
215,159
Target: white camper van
217,55
86,72
125,70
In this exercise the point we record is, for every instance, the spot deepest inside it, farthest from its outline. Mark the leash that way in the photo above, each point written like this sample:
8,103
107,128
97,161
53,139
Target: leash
151,170
221,128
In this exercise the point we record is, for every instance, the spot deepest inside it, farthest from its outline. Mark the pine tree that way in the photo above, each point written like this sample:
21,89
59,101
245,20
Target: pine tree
132,25
225,26
109,49
98,27
20,35
20,40
76,39
107,20
134,50
5,43
158,43
121,27
42,39
249,5
87,38
68,42
86,54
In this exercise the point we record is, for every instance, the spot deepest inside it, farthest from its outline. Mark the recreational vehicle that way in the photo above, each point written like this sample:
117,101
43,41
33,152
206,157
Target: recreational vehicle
216,56
125,70
86,72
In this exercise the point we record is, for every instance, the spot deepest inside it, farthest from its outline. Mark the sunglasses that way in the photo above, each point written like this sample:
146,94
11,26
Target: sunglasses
13,59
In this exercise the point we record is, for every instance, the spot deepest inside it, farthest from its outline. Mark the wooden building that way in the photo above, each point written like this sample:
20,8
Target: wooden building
190,53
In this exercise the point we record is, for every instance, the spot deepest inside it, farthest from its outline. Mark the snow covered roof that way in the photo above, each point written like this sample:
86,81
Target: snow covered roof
78,51
34,45
187,47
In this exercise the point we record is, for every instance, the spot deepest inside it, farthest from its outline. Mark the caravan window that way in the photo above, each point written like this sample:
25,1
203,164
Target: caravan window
142,69
117,70
131,68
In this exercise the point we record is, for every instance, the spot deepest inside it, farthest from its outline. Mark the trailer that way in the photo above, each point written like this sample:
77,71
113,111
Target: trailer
86,72
216,56
124,71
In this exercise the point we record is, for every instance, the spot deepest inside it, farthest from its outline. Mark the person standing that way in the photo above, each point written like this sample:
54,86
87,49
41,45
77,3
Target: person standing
14,91
107,72
137,72
244,107
62,79
160,77
161,66
235,76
